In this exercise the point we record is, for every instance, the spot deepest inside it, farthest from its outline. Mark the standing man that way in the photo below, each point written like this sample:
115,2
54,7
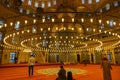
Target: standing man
106,66
15,59
31,63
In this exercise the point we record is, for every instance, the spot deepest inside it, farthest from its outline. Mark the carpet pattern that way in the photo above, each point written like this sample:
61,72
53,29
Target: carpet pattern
54,71
92,72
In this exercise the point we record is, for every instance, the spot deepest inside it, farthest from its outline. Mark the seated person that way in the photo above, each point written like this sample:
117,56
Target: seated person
61,74
69,76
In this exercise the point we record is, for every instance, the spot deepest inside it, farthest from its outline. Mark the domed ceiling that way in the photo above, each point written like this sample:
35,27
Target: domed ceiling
59,25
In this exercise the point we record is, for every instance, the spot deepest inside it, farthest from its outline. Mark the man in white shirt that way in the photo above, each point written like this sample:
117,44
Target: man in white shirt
31,63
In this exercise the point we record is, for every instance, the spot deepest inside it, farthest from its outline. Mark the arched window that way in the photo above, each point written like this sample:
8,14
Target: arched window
29,2
89,1
102,26
21,10
1,23
54,2
34,29
97,0
44,43
83,1
36,4
111,23
43,5
49,4
0,36
22,0
107,6
27,11
17,25
116,3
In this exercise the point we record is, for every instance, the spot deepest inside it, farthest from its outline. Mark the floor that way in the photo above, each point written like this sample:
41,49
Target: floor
49,72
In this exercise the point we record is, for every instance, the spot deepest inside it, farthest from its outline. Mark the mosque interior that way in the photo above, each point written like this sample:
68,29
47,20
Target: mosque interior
59,30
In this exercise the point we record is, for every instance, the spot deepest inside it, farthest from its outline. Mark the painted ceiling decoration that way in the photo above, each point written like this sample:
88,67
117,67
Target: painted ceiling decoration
60,25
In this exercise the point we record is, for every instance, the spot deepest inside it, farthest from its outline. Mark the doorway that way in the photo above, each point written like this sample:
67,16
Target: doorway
78,58
57,57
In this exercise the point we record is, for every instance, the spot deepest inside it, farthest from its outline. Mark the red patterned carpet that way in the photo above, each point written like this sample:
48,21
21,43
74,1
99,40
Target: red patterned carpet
41,72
